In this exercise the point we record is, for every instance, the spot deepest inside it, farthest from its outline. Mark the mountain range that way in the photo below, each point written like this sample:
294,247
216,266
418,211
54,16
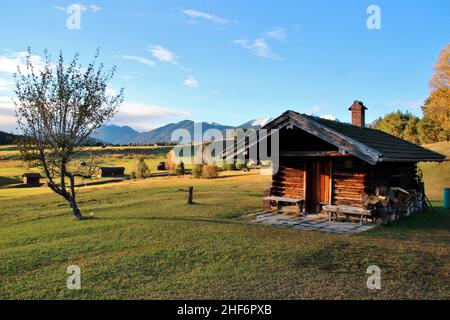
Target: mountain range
115,134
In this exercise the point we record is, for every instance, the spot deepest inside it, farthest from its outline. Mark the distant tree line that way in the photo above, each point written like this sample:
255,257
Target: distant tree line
7,138
434,126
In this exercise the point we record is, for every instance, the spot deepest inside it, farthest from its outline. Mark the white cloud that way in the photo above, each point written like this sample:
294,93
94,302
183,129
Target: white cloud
6,102
405,104
59,8
191,82
12,60
163,54
94,8
140,116
329,117
6,85
7,116
277,34
138,59
210,17
258,47
132,75
315,109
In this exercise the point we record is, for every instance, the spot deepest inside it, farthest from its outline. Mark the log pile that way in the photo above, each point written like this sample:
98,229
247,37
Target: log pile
394,203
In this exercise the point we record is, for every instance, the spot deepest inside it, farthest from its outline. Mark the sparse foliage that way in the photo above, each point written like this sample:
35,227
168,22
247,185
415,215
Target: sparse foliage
210,171
197,170
441,77
241,166
57,109
141,169
180,170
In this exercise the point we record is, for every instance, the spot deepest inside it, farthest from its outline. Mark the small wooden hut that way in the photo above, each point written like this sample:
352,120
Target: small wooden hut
111,171
329,166
32,179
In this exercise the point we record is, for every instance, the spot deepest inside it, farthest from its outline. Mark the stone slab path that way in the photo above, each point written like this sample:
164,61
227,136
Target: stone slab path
313,222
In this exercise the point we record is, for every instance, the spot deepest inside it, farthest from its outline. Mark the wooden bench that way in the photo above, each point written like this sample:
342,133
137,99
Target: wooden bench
347,211
297,201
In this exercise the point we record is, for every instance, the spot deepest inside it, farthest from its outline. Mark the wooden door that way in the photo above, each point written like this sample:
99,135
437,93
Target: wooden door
318,187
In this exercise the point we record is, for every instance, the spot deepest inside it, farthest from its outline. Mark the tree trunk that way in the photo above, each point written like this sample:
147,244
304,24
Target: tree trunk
75,211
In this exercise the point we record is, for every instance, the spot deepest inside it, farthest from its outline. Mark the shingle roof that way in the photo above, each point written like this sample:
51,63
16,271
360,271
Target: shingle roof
111,168
367,144
31,175
389,146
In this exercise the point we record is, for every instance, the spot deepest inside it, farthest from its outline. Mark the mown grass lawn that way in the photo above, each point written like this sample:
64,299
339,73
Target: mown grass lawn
145,242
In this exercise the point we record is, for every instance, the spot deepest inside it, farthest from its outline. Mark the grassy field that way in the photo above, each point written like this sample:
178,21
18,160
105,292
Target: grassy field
12,168
145,242
437,175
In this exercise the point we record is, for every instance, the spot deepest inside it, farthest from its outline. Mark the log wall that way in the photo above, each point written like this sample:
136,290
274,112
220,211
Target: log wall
289,181
349,181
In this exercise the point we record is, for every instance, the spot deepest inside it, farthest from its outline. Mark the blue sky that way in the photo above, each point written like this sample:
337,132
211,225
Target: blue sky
229,61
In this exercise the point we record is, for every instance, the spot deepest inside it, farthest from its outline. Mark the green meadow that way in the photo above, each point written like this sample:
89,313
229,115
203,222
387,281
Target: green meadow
143,241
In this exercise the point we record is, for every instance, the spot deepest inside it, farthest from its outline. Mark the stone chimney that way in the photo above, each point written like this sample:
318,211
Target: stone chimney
358,114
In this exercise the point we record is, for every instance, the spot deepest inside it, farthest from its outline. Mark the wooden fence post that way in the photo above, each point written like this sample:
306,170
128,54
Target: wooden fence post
190,195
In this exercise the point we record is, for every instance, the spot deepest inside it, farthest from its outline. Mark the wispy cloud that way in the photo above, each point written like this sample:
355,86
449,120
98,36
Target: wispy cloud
10,61
260,46
6,85
132,75
204,15
405,104
315,109
7,117
92,7
191,82
138,59
60,8
140,116
277,34
164,55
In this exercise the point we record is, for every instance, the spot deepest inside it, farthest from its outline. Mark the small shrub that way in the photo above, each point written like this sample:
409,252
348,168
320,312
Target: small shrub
240,166
197,171
228,166
141,169
180,170
224,166
210,172
133,175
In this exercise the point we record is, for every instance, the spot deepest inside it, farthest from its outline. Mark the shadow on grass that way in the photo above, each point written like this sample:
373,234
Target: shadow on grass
4,181
223,176
431,225
216,220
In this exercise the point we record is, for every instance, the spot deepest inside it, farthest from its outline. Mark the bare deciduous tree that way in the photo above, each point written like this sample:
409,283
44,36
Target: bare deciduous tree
58,107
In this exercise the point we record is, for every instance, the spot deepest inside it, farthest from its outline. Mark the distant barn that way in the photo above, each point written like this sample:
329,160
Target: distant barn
111,171
332,166
32,179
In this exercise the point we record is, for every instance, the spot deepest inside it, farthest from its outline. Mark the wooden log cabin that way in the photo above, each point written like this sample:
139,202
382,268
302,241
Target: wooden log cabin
330,163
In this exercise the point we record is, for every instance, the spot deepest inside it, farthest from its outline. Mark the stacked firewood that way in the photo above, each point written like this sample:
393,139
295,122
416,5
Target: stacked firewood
390,204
